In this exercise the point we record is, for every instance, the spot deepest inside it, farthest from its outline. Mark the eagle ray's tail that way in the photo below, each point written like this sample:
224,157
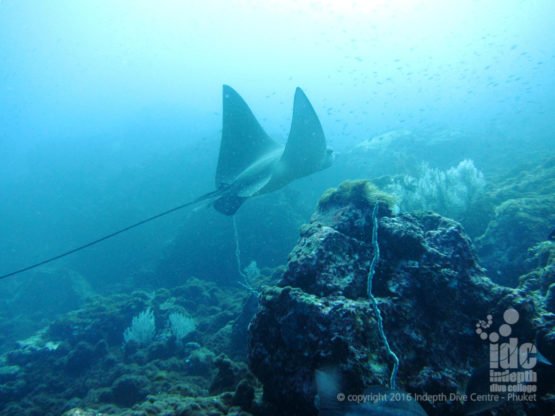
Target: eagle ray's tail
201,198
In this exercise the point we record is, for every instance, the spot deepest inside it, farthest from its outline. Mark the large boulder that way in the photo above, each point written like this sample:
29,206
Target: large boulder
428,286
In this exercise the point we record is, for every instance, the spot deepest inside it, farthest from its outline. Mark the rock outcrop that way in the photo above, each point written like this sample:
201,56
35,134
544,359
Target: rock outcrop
429,288
524,216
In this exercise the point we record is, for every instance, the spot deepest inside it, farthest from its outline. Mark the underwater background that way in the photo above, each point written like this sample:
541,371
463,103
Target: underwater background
111,112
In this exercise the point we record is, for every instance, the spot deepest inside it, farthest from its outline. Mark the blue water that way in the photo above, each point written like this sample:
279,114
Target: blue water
111,111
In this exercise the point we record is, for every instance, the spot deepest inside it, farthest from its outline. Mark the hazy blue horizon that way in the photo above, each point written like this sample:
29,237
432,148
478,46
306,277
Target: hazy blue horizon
82,69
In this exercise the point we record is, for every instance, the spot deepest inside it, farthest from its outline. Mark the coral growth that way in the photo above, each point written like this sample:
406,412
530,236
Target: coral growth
427,284
78,363
142,329
451,192
361,193
524,215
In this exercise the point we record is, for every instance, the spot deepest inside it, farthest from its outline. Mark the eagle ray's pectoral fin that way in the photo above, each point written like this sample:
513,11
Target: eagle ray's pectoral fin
305,151
244,141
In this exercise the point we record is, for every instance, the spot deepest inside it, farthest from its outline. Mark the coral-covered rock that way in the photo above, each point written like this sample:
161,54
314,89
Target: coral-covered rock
228,376
518,225
244,394
428,286
128,390
524,217
296,332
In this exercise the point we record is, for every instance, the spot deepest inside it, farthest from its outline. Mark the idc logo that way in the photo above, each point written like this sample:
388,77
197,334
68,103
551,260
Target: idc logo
511,363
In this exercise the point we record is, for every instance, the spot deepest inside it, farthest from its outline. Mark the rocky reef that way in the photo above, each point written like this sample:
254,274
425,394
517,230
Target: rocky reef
363,287
429,289
82,361
523,217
